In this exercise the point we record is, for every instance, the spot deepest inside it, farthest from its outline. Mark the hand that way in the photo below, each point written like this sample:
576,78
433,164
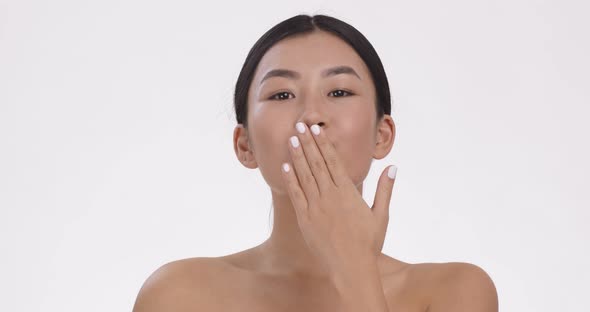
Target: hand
335,221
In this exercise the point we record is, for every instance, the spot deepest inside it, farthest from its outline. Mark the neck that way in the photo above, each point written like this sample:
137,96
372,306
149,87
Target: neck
285,251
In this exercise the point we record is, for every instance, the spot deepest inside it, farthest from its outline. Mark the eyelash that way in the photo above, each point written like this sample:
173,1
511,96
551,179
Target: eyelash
282,92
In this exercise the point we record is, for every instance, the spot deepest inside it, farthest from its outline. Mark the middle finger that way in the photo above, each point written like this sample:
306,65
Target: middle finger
314,158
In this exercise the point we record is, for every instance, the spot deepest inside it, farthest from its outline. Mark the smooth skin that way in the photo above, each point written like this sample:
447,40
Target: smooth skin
323,231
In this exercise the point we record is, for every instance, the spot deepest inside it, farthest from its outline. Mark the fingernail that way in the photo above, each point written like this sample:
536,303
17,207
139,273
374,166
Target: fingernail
294,141
392,171
315,129
300,127
286,167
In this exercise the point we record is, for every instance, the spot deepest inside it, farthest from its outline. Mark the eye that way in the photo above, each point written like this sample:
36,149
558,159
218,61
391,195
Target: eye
339,92
281,95
284,95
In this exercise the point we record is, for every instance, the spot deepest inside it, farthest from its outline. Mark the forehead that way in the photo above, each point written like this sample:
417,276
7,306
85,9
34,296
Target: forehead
310,53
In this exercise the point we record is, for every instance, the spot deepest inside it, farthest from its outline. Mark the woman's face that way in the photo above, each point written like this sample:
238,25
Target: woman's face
277,102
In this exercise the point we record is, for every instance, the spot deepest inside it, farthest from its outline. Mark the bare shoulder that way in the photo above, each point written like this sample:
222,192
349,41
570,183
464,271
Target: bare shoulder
180,285
456,286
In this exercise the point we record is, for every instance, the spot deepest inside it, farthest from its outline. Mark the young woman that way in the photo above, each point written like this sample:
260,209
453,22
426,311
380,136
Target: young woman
313,110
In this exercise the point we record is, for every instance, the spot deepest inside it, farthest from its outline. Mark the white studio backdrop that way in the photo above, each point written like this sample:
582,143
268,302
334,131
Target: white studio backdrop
116,153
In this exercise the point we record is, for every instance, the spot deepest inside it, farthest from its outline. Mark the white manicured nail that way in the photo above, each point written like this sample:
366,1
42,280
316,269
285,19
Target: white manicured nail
286,167
294,141
315,129
392,171
300,127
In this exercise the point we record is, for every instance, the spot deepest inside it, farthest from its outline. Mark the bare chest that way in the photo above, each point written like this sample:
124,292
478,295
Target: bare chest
264,295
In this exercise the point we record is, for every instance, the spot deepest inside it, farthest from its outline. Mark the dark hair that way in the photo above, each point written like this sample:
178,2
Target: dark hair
300,24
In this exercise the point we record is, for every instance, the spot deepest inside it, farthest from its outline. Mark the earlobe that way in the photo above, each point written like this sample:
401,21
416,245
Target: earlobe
242,147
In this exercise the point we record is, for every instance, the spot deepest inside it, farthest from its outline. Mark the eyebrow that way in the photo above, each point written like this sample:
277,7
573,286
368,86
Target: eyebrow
290,74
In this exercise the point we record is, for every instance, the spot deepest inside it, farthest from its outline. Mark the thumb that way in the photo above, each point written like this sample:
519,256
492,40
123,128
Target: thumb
383,193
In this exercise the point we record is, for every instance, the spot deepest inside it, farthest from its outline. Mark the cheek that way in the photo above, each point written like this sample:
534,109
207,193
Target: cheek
355,146
271,144
358,129
271,150
358,144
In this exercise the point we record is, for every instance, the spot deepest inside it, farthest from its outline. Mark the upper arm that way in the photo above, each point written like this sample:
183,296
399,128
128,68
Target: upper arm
465,287
170,288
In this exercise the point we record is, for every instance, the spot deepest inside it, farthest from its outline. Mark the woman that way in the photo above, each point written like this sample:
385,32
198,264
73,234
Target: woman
313,110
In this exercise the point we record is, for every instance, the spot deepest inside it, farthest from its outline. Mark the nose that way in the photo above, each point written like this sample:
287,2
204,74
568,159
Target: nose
313,114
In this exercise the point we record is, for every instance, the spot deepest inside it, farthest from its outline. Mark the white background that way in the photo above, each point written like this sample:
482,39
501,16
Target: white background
116,153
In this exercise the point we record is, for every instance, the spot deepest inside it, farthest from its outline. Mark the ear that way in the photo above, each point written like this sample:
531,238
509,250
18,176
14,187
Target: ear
385,136
242,147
